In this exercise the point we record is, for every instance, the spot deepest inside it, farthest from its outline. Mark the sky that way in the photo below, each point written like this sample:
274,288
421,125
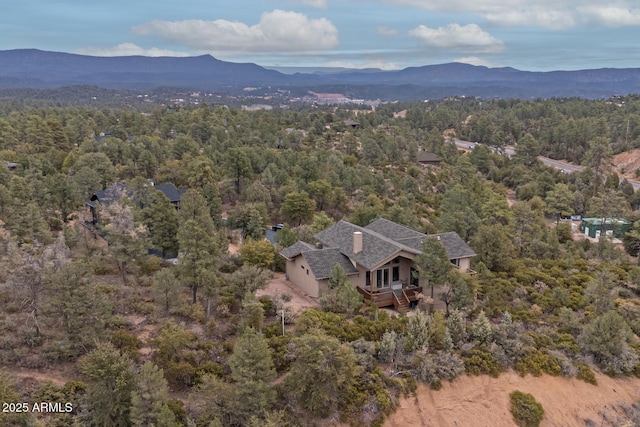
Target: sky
532,35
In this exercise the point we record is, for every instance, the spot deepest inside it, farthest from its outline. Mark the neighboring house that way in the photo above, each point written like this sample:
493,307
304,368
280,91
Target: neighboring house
113,193
351,124
427,158
379,260
171,192
614,227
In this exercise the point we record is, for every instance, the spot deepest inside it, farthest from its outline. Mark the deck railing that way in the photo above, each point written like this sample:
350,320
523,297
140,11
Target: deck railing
387,297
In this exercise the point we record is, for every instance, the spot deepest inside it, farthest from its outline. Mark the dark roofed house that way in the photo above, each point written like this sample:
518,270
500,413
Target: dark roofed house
378,259
114,192
426,158
171,192
351,124
105,197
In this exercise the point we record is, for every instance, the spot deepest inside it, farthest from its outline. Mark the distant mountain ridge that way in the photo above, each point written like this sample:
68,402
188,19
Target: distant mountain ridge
32,68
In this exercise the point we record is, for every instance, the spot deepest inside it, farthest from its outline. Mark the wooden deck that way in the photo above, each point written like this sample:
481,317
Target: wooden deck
400,299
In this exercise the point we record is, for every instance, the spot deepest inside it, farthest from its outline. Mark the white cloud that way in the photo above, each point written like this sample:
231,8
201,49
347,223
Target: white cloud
461,37
386,31
277,31
533,17
611,16
551,14
320,4
474,60
128,49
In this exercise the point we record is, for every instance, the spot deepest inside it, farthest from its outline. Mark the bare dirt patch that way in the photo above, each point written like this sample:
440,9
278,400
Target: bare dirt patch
484,401
59,375
511,197
627,163
279,286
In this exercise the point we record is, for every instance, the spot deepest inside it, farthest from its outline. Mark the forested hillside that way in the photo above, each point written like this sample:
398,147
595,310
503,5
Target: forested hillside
88,317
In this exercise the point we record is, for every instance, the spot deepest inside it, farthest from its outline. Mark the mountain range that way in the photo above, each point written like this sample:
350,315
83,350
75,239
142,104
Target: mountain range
36,69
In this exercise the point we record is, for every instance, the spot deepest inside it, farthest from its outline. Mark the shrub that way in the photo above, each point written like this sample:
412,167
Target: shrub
425,369
449,365
387,347
537,363
150,264
479,361
268,305
281,352
567,368
526,411
126,343
585,373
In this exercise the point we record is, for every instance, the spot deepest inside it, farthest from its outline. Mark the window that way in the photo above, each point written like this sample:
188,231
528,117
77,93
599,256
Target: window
382,278
456,262
395,273
367,278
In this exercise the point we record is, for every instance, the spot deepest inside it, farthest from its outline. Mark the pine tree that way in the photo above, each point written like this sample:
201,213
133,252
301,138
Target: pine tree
481,329
198,256
322,373
252,371
166,289
112,382
456,327
149,399
433,263
162,222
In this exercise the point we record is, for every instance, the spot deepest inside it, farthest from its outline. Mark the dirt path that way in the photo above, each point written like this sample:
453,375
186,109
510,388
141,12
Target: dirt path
484,401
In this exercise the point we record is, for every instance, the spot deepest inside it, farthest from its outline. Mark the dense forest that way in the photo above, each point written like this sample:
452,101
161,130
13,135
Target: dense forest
140,339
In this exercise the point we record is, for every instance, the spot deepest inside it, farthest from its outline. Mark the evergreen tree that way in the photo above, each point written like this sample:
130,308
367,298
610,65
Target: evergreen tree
112,383
82,312
456,325
162,222
149,399
559,201
166,290
433,263
481,329
199,256
252,371
322,373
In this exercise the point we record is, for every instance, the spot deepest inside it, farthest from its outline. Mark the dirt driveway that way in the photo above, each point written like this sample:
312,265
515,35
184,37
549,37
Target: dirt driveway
279,285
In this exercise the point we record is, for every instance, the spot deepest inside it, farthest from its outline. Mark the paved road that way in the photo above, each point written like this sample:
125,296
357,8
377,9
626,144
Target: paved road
558,164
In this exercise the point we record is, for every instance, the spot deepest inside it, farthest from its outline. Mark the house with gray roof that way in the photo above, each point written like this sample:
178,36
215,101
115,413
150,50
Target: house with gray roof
114,192
378,260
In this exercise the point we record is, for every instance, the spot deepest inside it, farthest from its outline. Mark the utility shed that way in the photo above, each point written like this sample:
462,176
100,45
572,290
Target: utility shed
614,227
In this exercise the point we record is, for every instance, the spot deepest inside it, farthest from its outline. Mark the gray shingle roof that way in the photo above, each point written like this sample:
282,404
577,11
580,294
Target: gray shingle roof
393,230
296,249
376,247
322,261
426,157
383,238
170,191
454,245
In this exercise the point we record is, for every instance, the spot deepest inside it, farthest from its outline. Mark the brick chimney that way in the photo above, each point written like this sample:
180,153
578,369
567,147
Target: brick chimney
357,242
